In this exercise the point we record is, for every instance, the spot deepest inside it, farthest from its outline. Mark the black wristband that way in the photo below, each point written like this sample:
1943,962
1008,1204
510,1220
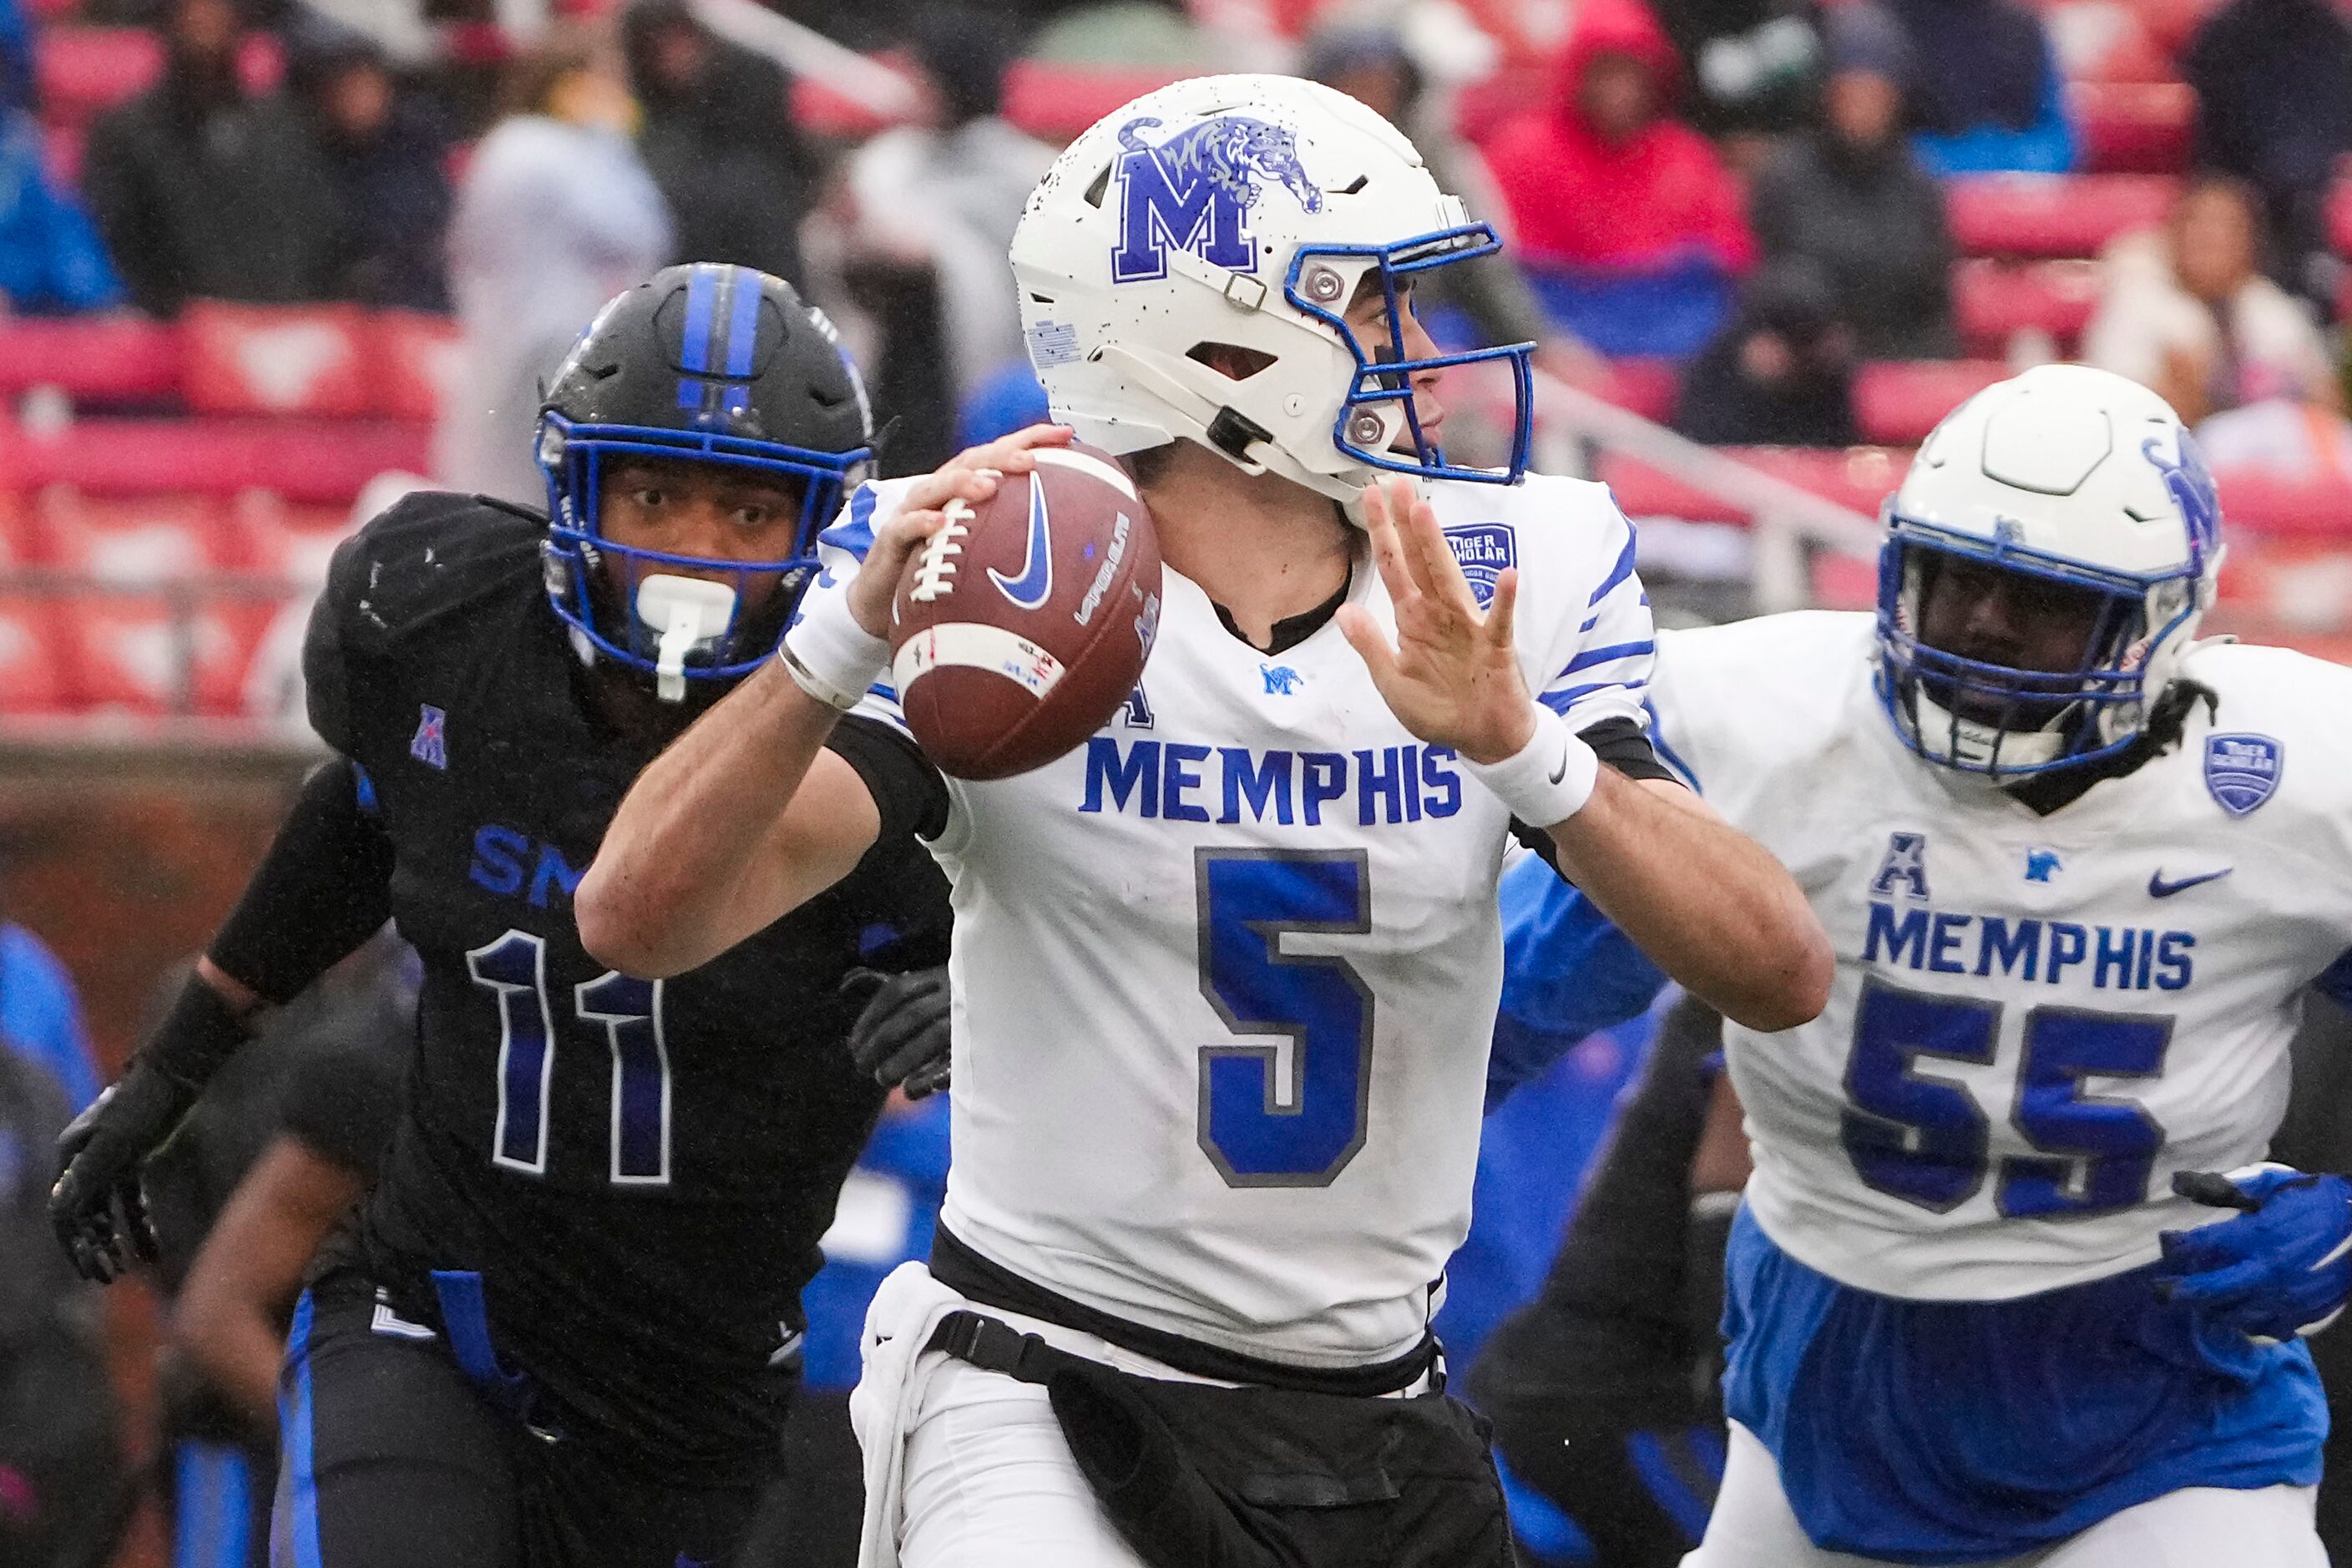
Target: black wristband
196,1036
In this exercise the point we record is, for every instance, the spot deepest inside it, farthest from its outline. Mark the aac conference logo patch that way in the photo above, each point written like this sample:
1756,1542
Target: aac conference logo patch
2243,770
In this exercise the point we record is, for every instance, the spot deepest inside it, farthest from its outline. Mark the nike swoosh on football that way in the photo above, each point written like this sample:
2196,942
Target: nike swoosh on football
1035,584
2157,887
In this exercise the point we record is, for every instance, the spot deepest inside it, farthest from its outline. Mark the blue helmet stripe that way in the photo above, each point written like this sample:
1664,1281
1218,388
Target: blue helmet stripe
742,326
701,306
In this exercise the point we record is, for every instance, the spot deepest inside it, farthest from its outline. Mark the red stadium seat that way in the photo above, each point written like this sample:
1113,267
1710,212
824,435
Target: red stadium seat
84,71
2134,126
2103,40
1897,401
2053,214
34,677
2260,502
1643,492
820,110
1055,102
139,540
322,462
412,360
120,357
274,359
285,541
129,650
1995,301
1646,386
1858,477
19,544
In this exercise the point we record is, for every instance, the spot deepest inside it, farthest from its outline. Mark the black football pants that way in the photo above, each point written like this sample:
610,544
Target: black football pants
391,1459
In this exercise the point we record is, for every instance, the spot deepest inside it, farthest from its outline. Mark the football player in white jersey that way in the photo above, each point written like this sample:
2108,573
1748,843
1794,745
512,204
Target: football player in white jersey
2079,870
1223,975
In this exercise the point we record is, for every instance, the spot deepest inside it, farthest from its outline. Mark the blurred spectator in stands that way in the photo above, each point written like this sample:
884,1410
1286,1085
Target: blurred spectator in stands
15,57
202,191
2187,312
1486,301
2294,430
64,1493
388,157
931,211
1755,67
718,139
556,216
285,1140
1627,221
2273,80
40,1016
1782,373
1989,95
50,257
1852,198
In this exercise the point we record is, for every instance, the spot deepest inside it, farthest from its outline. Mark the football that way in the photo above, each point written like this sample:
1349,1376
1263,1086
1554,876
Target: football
1022,625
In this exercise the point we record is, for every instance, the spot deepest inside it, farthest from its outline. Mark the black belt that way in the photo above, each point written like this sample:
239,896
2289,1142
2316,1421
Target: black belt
981,1341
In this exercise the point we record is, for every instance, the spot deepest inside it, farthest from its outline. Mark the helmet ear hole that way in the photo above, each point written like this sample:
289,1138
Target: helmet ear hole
1231,360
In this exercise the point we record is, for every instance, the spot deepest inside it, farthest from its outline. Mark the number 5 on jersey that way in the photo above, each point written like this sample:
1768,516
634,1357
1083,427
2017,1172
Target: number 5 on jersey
1291,1115
626,1010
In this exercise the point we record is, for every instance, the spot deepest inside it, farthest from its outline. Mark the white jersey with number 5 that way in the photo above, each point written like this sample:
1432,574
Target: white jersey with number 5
1225,975
2036,1020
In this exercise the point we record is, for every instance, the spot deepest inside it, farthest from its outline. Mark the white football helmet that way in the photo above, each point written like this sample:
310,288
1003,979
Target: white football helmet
1243,210
2070,475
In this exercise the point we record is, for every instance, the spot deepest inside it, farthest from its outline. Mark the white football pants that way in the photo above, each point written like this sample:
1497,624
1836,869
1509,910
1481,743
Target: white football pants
990,1483
2197,1526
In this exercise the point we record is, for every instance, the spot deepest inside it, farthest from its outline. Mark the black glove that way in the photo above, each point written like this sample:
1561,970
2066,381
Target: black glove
901,1037
97,1206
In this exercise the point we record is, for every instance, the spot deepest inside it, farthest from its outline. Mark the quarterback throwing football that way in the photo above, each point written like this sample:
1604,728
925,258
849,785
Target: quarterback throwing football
1222,975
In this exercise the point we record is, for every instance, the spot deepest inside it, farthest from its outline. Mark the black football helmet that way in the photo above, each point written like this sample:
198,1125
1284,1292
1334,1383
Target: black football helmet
704,363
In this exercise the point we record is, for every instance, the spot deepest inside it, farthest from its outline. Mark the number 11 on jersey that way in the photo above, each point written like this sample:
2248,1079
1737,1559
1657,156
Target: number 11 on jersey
628,1012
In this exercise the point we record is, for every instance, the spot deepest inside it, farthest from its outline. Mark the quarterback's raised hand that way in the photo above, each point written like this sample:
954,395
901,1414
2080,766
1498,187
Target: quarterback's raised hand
901,1037
1452,676
971,476
2283,1266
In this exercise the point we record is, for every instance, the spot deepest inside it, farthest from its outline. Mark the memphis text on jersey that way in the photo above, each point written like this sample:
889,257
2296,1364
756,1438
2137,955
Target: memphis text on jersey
2112,958
1184,783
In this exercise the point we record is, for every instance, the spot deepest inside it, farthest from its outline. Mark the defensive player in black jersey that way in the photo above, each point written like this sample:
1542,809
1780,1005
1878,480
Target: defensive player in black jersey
562,1330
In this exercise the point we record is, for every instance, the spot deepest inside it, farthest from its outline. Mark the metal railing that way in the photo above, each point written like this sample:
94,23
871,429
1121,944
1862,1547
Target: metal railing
1789,522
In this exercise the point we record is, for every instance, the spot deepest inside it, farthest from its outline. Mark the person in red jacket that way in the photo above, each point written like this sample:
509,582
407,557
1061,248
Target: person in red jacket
1628,223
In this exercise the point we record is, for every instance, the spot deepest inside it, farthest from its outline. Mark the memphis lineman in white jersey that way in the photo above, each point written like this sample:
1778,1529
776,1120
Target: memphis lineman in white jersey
1253,820
2036,1020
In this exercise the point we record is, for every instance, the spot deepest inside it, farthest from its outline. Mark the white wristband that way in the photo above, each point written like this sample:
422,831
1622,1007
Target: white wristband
1547,780
830,656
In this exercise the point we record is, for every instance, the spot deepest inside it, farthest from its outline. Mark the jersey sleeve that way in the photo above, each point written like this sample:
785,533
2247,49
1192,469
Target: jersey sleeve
1597,660
909,793
1568,973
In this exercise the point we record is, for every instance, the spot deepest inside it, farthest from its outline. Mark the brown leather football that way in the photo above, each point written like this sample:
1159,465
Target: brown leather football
1020,628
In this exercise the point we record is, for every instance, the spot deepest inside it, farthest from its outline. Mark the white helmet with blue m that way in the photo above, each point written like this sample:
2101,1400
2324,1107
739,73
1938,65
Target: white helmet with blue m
2073,478
1243,212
